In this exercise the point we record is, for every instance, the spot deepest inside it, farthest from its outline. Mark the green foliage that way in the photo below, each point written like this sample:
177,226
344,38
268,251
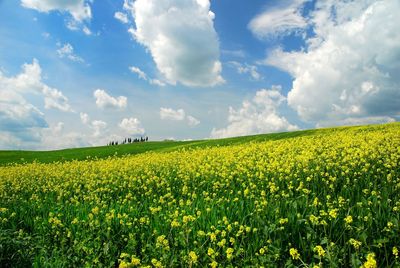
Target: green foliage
324,198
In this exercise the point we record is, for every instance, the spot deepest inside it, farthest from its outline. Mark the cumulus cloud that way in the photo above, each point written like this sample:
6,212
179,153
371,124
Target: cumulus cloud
171,114
103,100
246,69
56,137
259,115
55,99
122,17
21,123
180,36
178,115
84,118
98,126
67,51
79,10
30,81
140,73
192,121
349,70
143,75
132,126
284,18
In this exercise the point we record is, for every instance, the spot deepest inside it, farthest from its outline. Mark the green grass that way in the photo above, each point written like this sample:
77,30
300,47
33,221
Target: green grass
326,197
14,156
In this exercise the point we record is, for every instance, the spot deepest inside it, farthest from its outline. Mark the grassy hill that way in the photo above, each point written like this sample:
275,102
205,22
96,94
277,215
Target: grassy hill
16,156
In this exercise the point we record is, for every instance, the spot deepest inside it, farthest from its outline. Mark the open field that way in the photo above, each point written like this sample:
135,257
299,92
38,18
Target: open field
7,157
319,198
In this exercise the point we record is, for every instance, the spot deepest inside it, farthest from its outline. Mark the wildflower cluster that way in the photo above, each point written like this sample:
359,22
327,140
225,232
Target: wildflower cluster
328,199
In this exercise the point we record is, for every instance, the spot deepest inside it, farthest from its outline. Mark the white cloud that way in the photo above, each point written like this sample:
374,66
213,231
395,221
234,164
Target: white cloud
79,10
140,73
55,137
86,30
157,82
192,121
259,115
349,70
67,51
353,121
122,17
53,98
30,80
84,118
98,126
171,114
181,38
21,123
103,100
132,126
178,115
143,75
279,20
246,69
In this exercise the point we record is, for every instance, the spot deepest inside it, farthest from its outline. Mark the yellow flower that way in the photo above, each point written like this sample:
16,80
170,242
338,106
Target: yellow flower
395,252
229,253
333,213
192,257
294,253
371,262
135,261
356,244
283,221
156,263
348,219
214,264
320,250
210,252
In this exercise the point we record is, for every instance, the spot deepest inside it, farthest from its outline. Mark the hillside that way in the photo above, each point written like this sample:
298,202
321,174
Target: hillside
7,157
16,156
321,198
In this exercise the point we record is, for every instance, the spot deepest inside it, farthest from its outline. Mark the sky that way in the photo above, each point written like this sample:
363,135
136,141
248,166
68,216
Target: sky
84,72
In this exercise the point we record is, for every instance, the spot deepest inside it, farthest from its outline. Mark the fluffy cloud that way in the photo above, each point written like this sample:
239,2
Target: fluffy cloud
349,70
246,69
79,9
132,126
67,51
140,73
181,38
259,115
143,75
178,115
279,20
192,121
98,126
171,114
103,100
54,99
22,123
122,17
55,137
30,81
84,118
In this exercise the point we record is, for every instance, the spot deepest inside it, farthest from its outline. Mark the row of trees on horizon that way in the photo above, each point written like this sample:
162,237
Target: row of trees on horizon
128,141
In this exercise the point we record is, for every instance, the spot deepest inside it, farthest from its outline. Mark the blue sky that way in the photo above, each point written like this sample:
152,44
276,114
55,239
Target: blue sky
81,73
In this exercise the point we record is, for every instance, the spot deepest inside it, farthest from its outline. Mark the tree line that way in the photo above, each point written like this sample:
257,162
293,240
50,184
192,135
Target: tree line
128,141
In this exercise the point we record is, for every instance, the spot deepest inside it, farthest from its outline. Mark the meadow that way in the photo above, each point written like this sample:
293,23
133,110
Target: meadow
322,198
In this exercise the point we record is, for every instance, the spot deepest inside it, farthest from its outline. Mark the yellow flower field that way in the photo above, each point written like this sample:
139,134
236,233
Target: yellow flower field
323,200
